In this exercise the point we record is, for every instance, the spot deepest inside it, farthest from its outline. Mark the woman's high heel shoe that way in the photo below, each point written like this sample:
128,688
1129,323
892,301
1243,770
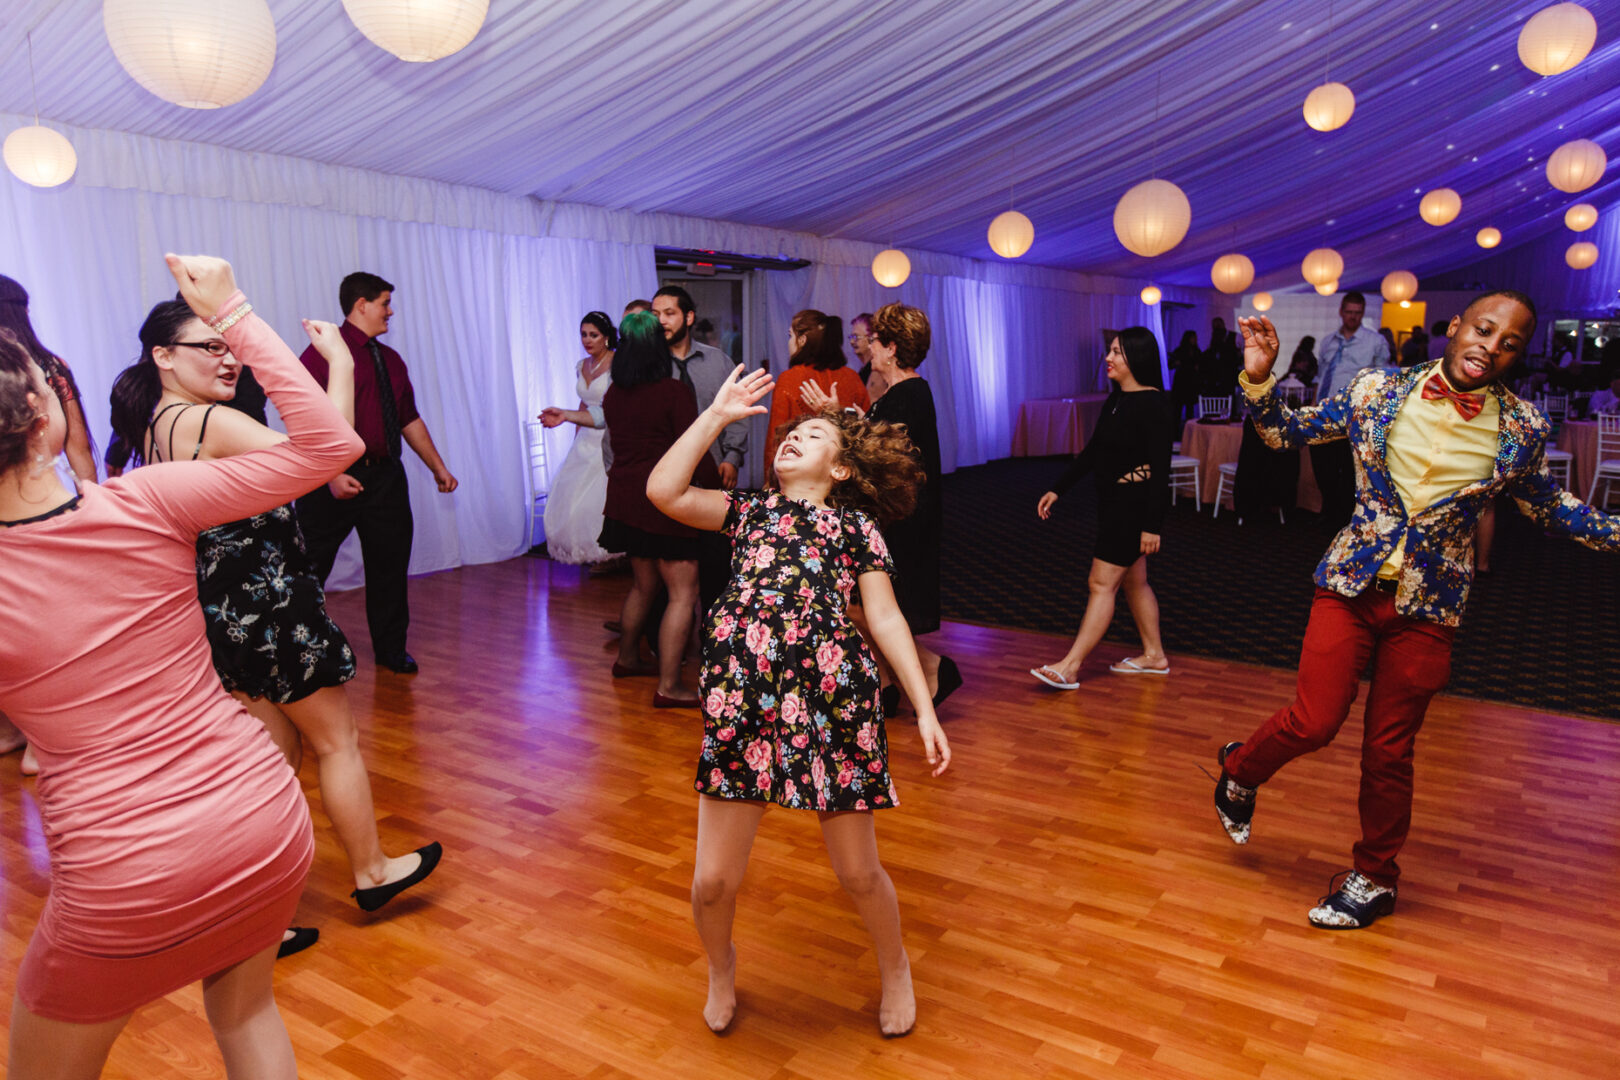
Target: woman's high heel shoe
889,697
950,680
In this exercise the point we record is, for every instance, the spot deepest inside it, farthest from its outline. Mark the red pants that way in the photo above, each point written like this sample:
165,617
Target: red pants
1411,662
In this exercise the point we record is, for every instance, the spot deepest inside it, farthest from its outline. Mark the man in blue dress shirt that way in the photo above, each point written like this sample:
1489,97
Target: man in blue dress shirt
1350,349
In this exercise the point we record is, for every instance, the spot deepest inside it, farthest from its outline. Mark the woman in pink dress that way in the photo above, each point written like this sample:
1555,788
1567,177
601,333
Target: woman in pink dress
179,839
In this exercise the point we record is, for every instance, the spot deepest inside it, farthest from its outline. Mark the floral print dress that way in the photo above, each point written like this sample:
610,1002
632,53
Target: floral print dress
789,687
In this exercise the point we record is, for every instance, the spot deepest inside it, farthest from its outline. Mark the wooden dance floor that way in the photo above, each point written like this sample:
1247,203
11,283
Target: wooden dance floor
1071,905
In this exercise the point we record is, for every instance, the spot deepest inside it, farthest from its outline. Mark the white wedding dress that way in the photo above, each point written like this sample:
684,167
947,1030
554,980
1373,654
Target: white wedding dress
574,506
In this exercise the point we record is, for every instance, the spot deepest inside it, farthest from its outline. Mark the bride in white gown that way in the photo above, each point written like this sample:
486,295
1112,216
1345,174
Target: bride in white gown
574,506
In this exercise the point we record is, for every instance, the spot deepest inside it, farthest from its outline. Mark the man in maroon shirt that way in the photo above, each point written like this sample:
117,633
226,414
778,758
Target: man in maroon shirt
372,495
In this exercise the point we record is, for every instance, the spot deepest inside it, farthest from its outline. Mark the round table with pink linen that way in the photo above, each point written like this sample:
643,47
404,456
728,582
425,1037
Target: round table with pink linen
1580,438
1056,425
1217,444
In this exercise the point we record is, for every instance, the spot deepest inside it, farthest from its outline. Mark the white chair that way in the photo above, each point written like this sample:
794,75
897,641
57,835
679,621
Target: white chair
1559,464
1608,468
539,479
1184,478
1228,482
1556,408
1214,408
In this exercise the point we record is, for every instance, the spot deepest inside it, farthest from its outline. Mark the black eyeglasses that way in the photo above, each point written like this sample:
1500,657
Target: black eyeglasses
214,348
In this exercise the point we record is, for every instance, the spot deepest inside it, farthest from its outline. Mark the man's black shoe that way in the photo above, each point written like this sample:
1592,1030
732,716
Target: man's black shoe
401,663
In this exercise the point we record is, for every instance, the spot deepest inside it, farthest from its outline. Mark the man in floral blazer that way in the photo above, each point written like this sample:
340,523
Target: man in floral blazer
1432,446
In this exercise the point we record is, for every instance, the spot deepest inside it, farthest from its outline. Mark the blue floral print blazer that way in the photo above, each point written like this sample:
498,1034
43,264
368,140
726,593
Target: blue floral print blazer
1438,566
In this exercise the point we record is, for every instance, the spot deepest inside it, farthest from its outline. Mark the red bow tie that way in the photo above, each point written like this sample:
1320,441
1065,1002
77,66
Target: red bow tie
1468,405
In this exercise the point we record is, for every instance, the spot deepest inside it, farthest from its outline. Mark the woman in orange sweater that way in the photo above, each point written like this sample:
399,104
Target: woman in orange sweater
818,357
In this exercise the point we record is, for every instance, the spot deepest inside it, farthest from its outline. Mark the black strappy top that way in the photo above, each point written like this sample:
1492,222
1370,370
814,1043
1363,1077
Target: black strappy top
151,428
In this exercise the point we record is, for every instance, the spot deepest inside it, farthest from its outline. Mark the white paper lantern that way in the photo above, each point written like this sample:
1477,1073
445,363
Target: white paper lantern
1576,165
1440,206
1555,39
39,156
1580,217
1011,234
1399,285
1232,273
891,268
1488,237
1321,266
1151,295
1328,288
419,30
1328,107
1581,255
202,54
1261,301
1152,217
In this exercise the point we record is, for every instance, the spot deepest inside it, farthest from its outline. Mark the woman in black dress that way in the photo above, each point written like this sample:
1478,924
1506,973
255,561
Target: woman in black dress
1129,457
274,647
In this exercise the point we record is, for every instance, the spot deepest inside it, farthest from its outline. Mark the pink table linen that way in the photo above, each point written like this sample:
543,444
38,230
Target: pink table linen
1056,425
1580,437
1216,444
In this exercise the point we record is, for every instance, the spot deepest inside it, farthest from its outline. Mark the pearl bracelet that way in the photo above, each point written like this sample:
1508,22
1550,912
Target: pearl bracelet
237,315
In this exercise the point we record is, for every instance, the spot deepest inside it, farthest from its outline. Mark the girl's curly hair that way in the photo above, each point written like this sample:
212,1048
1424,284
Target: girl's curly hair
885,473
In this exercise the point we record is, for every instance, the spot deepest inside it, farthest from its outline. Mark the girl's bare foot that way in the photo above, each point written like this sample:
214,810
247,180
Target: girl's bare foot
898,1012
721,1008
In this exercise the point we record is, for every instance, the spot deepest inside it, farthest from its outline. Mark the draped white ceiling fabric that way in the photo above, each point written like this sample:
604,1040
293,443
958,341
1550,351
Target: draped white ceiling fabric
915,121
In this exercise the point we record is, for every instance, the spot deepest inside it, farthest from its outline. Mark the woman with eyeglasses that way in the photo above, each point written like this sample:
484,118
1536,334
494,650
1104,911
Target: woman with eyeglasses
579,490
860,339
273,645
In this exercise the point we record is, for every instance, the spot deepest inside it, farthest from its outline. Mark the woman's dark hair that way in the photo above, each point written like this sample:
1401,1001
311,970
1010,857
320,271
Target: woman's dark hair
14,317
643,354
18,418
600,320
884,471
1306,346
823,347
1141,351
136,391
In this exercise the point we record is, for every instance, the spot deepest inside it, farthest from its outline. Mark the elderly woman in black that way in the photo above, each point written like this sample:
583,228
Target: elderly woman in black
1129,458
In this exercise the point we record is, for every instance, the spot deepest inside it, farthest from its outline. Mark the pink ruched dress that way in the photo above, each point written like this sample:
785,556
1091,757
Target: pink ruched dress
179,839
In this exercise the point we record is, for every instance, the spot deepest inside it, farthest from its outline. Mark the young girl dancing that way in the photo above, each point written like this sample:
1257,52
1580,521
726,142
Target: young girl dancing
789,688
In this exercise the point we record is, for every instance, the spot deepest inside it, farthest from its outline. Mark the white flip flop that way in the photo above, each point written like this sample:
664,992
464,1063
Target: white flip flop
1055,683
1129,666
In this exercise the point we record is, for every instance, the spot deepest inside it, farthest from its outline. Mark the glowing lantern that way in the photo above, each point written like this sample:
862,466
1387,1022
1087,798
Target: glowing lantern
202,54
1576,165
1440,206
1488,237
1399,285
1011,234
1322,266
1580,217
1152,217
1261,301
1581,255
1232,273
39,156
418,30
1329,106
1328,288
1151,295
891,268
1555,39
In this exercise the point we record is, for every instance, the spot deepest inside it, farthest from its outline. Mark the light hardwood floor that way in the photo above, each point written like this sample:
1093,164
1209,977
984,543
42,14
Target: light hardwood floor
1071,906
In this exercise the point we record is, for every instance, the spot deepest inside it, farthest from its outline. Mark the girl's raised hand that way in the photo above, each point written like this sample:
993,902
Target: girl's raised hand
817,399
738,396
935,744
205,282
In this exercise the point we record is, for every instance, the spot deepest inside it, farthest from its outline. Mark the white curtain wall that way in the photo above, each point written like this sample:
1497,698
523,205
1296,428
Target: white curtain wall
489,293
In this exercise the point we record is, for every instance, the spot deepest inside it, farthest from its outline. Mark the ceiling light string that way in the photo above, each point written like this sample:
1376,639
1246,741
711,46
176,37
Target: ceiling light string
32,85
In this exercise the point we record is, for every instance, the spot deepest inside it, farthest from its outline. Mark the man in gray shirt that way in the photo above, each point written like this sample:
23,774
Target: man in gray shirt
1350,349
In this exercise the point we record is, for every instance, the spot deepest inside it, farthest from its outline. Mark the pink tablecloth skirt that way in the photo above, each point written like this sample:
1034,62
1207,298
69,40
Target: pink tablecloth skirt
1216,444
1056,425
1580,437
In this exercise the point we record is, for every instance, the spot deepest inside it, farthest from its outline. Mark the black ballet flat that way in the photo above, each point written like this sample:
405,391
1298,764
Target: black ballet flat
302,938
950,680
375,897
890,699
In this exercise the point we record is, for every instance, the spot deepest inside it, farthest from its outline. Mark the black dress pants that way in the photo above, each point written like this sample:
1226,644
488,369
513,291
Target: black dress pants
382,514
1336,477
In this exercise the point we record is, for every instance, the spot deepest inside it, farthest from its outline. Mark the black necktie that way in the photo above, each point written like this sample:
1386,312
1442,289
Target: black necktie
385,399
685,376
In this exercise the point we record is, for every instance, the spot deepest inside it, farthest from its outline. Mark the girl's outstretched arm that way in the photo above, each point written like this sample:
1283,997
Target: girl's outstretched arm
670,485
893,637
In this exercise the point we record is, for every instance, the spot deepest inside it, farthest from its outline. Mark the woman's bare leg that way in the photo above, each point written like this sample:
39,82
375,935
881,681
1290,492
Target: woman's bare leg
44,1049
1485,537
281,730
247,1025
638,604
725,836
1104,583
1145,610
852,846
681,579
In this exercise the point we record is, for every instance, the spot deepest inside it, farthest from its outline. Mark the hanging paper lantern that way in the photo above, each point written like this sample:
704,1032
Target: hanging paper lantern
1440,206
202,54
1576,165
39,156
1232,273
1261,301
1328,288
1322,265
1580,217
1328,107
1488,237
1399,285
1555,39
1151,295
1152,217
1581,255
418,30
1011,234
891,268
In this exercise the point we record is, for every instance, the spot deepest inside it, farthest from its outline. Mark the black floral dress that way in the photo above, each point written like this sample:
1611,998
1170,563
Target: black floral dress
266,611
790,689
